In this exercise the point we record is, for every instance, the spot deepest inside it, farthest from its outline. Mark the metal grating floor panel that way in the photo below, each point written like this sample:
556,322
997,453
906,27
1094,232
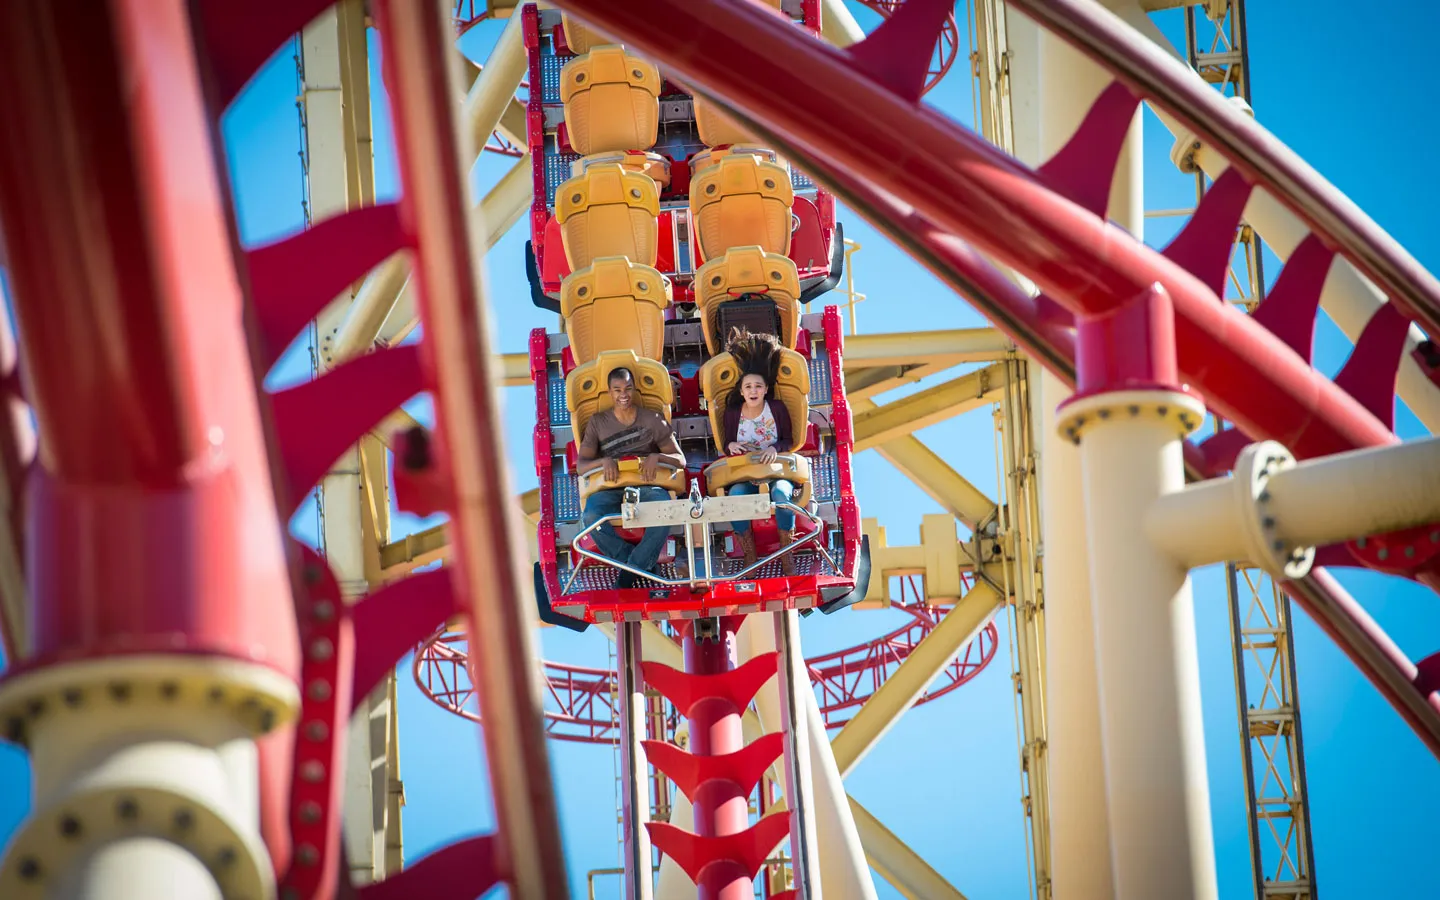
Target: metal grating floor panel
567,497
559,412
557,172
825,478
801,181
550,66
819,379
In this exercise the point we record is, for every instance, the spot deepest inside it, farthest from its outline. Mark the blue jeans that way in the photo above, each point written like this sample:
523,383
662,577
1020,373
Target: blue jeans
781,491
640,556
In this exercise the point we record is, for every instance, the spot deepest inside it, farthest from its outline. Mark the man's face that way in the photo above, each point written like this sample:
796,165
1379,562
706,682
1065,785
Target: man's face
622,392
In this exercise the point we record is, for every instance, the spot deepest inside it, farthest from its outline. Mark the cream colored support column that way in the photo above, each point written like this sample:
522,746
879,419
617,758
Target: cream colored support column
1348,297
384,306
897,863
495,88
386,293
838,24
1273,512
846,874
1156,790
1052,87
1079,830
1151,730
143,780
671,882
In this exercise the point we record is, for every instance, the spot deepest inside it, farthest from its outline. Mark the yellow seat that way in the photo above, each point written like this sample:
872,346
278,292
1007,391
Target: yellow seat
717,128
579,38
612,101
615,305
707,158
640,161
718,379
608,211
748,270
587,392
741,202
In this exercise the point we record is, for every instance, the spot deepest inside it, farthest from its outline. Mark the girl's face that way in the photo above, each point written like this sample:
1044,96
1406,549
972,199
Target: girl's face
752,388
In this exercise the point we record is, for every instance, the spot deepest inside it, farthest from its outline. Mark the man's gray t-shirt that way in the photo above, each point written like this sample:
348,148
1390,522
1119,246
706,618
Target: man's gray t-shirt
606,437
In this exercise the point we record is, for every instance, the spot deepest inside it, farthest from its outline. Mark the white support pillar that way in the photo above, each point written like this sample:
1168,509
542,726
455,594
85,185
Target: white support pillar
846,874
494,89
1273,512
1051,89
1131,452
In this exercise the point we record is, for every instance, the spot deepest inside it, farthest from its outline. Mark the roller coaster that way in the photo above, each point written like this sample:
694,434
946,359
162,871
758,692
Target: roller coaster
184,672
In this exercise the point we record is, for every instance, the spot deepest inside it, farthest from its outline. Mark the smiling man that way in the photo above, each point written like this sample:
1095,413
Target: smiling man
626,430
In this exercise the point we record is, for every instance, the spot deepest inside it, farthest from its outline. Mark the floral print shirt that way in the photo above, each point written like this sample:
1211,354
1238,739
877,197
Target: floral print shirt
758,433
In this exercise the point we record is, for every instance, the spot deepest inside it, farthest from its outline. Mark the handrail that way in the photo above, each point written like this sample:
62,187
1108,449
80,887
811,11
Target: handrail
693,580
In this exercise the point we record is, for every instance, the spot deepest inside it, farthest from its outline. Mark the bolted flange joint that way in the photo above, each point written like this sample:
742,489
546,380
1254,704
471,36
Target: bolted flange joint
1254,468
1178,410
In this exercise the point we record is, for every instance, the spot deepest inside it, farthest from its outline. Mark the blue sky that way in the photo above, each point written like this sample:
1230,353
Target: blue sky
946,778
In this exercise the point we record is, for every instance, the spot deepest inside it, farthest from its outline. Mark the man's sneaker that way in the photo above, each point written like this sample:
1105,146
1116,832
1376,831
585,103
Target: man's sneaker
624,580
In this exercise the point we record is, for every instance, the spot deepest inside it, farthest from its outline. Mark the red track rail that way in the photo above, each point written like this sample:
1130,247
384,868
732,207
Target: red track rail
850,118
578,698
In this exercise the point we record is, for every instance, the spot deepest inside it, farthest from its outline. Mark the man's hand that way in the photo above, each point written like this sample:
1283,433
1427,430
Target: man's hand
612,470
648,466
768,455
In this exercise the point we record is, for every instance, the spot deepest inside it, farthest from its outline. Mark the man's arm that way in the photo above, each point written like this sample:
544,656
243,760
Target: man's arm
588,456
670,452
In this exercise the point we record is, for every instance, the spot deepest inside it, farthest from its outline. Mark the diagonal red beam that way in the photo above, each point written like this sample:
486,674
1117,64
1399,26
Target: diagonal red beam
846,129
492,579
1171,85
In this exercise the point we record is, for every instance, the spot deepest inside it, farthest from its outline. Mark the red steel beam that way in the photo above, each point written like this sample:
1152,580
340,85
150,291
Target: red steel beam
489,562
845,127
152,516
1171,85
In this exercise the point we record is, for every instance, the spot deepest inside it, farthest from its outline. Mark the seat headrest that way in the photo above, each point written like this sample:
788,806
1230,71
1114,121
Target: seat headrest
587,387
721,376
613,276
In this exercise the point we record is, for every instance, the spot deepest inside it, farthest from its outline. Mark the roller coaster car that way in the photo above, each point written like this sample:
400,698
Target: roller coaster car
592,113
831,560
654,245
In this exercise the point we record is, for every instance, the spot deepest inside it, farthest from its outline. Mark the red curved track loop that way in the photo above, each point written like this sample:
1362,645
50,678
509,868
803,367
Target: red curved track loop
467,14
501,145
947,48
935,187
578,704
